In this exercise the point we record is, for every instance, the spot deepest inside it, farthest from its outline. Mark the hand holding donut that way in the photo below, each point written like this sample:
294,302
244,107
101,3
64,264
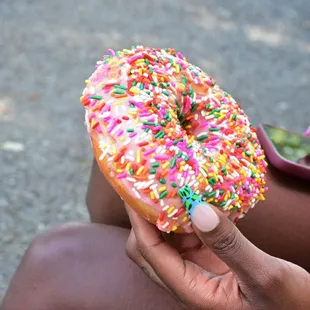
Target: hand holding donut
217,269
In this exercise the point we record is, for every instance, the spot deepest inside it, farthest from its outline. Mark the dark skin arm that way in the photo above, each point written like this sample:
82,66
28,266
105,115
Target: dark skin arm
222,270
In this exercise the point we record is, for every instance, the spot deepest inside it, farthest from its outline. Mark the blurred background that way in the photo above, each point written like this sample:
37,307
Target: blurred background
257,50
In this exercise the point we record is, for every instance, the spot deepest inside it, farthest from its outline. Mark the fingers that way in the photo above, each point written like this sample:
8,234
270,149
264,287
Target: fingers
167,263
152,246
183,242
224,239
134,254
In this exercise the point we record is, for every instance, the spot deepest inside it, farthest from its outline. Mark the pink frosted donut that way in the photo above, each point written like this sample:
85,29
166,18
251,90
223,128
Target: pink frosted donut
160,127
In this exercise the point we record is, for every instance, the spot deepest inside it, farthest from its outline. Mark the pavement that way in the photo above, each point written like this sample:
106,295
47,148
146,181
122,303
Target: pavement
257,50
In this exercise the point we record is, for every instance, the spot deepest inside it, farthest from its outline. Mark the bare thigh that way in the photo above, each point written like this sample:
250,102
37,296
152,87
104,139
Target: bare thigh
83,266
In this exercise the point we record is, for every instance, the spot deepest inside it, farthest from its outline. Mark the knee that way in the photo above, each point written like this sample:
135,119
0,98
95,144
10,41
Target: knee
52,249
38,278
55,243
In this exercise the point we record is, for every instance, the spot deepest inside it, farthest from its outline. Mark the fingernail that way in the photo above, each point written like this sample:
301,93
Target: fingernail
204,217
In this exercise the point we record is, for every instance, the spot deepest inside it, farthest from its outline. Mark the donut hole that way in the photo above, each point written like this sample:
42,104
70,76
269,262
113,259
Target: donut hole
190,115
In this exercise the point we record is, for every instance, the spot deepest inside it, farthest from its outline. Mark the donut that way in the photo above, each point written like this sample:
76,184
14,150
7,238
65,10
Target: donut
166,136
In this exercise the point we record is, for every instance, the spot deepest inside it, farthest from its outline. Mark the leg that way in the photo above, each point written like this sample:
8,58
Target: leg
82,266
103,203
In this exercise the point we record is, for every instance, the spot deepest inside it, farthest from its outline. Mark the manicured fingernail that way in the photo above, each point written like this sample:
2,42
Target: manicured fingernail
204,217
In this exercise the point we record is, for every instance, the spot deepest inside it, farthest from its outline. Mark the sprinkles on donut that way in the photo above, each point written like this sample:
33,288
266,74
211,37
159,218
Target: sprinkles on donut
167,137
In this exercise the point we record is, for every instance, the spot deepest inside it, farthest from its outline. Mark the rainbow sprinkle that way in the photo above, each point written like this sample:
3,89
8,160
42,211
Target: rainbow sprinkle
165,127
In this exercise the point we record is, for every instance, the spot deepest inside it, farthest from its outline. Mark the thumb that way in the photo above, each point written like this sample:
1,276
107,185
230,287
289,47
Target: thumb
224,239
